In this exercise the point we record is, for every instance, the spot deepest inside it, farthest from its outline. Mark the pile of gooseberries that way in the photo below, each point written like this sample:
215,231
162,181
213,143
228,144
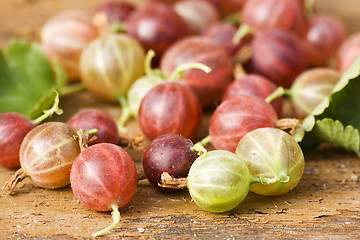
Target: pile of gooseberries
268,161
55,154
193,49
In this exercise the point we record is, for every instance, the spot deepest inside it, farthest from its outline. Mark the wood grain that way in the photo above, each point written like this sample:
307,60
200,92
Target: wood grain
325,204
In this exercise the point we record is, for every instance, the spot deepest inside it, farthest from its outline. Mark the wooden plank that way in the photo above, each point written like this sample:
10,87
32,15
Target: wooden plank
325,204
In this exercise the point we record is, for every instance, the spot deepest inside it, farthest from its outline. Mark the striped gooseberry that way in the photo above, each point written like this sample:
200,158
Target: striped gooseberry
103,178
209,87
278,55
272,154
64,36
170,107
235,117
46,156
254,85
218,181
110,64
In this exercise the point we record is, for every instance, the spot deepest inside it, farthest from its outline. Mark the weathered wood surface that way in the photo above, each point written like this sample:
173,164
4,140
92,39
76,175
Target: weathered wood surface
325,204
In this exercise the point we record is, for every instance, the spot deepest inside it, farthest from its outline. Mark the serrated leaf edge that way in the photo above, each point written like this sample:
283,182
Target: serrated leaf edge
334,131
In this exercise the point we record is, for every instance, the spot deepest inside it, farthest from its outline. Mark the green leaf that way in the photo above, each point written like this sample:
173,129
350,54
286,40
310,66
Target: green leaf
27,79
337,118
334,131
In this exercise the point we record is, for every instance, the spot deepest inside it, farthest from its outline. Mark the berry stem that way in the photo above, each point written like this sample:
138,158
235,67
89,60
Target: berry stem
83,137
200,146
149,71
239,71
116,217
168,181
279,92
278,175
262,180
242,31
288,124
186,66
118,28
205,141
48,113
265,180
91,131
18,177
147,64
125,114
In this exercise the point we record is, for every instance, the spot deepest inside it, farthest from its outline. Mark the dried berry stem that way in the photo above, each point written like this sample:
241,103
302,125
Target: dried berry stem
239,71
168,181
83,137
18,177
288,125
134,143
243,54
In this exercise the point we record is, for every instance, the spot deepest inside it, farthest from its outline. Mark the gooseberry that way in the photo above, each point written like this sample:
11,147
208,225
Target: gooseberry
347,52
109,65
111,14
222,33
170,107
227,7
156,26
103,178
275,14
198,14
277,55
209,87
325,35
255,85
235,117
171,153
272,154
310,88
87,119
46,155
64,36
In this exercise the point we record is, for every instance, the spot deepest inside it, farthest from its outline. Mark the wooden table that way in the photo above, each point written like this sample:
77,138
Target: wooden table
325,204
